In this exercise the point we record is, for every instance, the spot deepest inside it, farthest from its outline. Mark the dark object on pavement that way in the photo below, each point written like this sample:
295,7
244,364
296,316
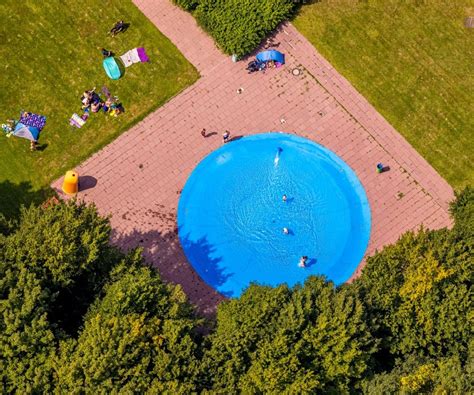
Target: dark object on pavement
254,66
381,168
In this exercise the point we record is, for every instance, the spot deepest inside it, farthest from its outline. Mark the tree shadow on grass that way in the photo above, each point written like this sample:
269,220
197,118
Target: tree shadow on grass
13,196
162,250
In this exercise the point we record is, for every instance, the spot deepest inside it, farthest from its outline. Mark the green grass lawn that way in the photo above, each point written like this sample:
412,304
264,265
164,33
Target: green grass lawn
414,61
50,53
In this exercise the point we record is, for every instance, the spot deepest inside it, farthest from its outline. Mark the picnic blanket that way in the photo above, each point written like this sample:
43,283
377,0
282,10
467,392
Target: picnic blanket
34,120
134,56
76,121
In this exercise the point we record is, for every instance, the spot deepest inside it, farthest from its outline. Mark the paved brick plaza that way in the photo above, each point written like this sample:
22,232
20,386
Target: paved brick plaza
140,175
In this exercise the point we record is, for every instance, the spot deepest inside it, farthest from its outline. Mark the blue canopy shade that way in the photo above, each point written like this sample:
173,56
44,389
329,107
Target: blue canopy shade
112,68
271,54
27,132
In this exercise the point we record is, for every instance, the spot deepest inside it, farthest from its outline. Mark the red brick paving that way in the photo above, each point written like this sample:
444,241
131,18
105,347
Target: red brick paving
139,175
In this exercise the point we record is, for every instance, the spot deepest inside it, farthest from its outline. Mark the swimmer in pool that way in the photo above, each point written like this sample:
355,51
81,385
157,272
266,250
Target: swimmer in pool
286,231
302,262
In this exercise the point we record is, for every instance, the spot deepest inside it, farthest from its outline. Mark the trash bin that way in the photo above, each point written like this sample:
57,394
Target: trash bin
71,183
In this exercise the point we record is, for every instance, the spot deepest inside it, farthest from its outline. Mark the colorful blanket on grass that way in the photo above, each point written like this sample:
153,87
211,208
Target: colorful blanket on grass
33,120
76,121
134,56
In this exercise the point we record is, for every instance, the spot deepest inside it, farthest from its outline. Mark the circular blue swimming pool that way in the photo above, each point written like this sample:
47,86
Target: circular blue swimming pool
232,216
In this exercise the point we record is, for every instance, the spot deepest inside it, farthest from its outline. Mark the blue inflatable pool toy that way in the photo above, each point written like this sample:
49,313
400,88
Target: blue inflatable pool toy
271,54
112,68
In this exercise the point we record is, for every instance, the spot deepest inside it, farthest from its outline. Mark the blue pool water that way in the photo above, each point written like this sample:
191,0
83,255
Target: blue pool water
231,214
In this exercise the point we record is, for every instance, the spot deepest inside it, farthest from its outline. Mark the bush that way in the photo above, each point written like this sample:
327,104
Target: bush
417,294
137,338
420,375
238,26
188,5
77,316
308,339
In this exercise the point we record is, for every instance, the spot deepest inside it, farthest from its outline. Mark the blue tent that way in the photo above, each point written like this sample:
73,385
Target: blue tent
271,54
27,132
112,68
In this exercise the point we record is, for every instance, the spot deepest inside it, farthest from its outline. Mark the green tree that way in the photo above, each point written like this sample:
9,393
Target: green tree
56,265
188,5
415,375
462,210
44,257
138,337
27,342
66,247
5,225
418,296
78,316
306,339
60,242
238,26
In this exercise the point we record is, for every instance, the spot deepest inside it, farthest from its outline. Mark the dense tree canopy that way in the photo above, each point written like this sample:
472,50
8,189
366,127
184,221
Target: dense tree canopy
415,375
415,290
53,263
146,339
310,338
418,295
78,316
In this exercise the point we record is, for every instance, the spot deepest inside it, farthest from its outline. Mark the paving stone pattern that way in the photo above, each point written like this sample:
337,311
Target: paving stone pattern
140,175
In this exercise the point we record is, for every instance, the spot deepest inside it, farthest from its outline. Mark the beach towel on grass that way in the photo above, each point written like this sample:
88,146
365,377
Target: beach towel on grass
76,121
33,120
134,56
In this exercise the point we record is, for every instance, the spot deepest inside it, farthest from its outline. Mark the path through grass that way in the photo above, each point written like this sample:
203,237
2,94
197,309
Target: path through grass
50,53
414,61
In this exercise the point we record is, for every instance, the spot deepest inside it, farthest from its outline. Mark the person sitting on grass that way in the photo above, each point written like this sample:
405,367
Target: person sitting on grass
87,98
86,103
112,106
116,109
96,105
